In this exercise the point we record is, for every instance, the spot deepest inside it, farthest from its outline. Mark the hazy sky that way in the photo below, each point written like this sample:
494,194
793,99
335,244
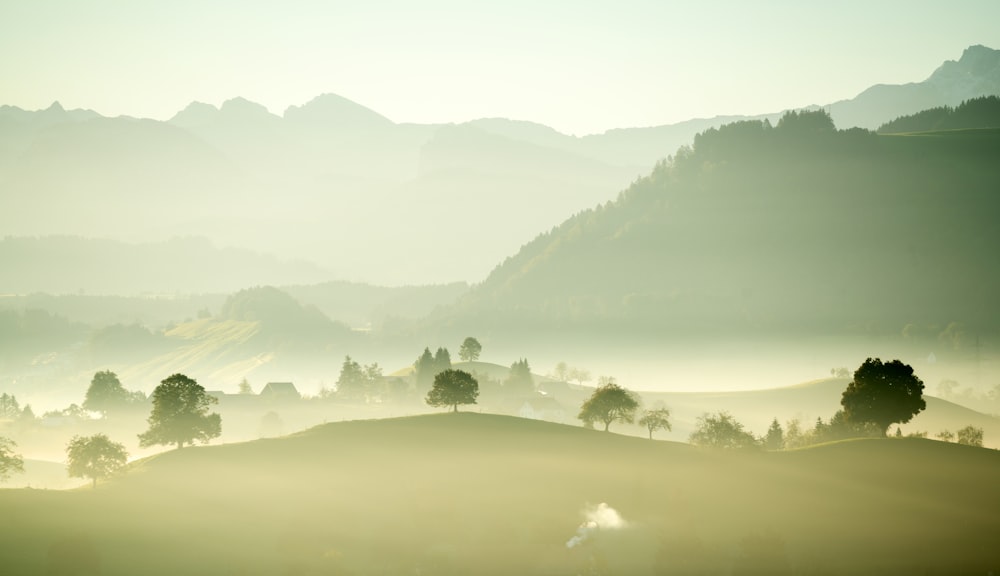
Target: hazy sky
581,66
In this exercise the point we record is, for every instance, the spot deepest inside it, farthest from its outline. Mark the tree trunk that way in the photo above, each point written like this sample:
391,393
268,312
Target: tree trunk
454,407
650,433
606,425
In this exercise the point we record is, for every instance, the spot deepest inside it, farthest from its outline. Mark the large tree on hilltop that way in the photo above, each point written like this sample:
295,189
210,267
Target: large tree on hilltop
883,394
453,387
609,403
180,414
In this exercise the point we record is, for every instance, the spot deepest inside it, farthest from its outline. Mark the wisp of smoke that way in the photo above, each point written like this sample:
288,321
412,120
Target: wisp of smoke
596,518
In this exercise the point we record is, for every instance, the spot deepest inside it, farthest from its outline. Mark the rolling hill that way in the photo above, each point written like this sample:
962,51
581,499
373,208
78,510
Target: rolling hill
473,493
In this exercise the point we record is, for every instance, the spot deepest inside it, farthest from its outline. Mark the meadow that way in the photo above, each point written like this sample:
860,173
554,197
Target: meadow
473,493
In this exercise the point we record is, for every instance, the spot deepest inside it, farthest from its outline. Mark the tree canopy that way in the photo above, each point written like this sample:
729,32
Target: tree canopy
10,461
451,388
106,393
721,430
656,419
882,394
519,380
609,403
94,457
470,349
180,414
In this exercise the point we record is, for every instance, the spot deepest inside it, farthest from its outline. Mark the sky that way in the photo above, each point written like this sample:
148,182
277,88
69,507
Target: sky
581,67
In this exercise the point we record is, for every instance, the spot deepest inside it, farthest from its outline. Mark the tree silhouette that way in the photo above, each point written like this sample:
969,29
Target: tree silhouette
519,380
883,394
451,388
721,430
656,419
470,349
105,393
609,403
94,457
970,436
775,438
10,461
180,414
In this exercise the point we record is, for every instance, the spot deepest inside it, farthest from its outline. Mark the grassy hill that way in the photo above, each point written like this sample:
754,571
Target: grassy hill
479,494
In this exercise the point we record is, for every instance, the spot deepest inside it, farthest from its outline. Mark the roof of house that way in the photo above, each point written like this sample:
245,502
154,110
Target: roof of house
280,389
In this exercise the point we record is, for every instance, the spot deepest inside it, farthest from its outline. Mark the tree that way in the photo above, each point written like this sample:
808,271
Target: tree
94,457
451,388
579,374
775,438
470,349
970,436
560,373
352,384
883,394
721,430
180,414
105,394
946,435
609,403
9,408
442,361
424,370
10,461
519,380
244,387
656,419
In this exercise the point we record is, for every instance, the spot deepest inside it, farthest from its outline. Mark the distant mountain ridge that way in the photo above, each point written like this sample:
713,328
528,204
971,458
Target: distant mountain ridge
311,182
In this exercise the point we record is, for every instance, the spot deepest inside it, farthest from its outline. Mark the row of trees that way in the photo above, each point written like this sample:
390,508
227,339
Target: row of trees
879,395
180,415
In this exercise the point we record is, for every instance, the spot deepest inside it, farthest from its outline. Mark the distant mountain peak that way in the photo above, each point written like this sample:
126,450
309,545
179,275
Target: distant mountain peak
55,107
195,114
977,61
332,109
242,107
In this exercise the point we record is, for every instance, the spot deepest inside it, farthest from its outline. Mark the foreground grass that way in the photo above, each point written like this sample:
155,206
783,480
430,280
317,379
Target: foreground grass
481,494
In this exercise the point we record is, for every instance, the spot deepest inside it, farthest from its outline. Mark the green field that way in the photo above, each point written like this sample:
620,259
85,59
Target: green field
482,494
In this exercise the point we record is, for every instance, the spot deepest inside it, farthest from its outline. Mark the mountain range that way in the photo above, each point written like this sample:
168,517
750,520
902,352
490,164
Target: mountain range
344,187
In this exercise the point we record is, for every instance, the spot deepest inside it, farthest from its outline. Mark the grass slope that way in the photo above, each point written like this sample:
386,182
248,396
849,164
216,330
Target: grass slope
473,493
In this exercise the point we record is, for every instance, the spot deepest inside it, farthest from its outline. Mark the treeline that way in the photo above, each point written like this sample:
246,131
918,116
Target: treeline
975,113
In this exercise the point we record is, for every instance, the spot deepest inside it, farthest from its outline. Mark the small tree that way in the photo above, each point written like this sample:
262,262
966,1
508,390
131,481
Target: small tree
560,372
351,384
775,438
946,435
609,403
424,371
442,360
970,436
94,457
9,407
244,388
180,414
656,419
883,394
721,430
10,461
470,349
105,394
451,388
519,380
